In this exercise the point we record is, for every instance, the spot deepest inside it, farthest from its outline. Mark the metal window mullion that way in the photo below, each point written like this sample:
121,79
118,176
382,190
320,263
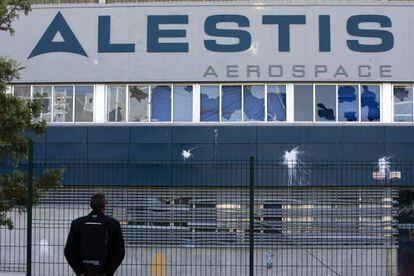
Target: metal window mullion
106,97
242,102
382,103
220,101
313,101
265,102
393,104
94,103
149,102
73,103
337,102
53,104
127,103
172,95
359,103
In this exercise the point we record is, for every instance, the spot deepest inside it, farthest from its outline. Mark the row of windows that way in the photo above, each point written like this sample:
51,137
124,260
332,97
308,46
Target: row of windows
220,102
61,103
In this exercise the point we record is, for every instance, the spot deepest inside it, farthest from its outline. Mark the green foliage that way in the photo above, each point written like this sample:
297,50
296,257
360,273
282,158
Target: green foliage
18,116
10,10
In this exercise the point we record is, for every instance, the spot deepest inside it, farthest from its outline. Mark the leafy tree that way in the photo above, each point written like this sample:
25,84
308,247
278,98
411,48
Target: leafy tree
17,116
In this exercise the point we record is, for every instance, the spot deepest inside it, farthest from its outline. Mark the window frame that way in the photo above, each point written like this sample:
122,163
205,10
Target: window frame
358,102
94,103
392,103
106,102
219,107
266,103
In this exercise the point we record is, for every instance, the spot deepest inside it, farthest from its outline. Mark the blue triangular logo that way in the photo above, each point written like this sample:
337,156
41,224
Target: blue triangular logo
68,42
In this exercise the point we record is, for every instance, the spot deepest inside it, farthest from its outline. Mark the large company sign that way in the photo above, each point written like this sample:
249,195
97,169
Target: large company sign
214,43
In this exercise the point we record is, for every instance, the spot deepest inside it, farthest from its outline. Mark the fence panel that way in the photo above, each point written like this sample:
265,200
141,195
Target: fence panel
193,218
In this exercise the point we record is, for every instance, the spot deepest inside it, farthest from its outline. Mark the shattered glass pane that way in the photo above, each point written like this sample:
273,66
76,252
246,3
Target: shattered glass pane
161,103
22,92
116,98
254,104
231,103
403,103
63,108
325,102
276,103
370,103
83,103
348,102
138,103
210,103
183,103
45,93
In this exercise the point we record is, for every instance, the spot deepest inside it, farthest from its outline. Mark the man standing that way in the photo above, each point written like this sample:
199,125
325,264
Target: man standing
95,245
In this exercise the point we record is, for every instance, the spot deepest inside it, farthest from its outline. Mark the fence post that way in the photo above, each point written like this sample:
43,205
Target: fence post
29,211
251,217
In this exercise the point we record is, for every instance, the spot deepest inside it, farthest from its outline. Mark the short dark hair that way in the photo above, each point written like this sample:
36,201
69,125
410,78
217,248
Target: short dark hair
98,202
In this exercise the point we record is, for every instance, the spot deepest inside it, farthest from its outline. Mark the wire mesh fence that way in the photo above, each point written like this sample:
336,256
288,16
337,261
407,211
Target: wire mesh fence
194,218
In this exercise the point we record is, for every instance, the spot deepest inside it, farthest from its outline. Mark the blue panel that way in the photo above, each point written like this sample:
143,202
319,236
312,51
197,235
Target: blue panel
108,151
108,134
220,173
149,174
150,151
235,151
363,151
66,134
191,134
39,151
399,134
273,152
314,134
236,134
67,151
150,134
191,152
278,134
321,151
35,137
400,151
363,134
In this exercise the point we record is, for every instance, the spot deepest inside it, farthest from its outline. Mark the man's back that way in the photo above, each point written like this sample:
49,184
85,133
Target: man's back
95,245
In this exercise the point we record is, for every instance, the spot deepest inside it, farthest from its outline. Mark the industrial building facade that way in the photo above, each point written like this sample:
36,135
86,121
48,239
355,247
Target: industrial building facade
161,105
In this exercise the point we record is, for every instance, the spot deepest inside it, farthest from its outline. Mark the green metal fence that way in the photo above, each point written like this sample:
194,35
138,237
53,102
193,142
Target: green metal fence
231,221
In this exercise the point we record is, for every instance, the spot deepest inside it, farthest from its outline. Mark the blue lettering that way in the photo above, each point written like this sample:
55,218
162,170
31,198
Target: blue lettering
324,33
284,22
210,28
386,37
104,38
154,33
70,43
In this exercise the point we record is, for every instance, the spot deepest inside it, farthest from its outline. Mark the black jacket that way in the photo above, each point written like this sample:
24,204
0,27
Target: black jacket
115,249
